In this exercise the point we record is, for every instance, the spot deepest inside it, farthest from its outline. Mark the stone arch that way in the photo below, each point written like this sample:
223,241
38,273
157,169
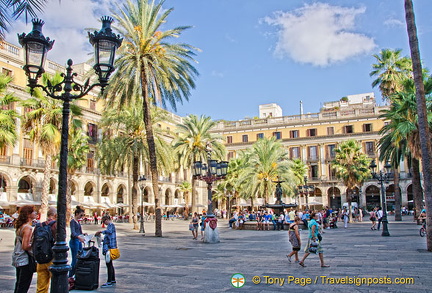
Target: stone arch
4,182
177,197
89,189
168,196
73,187
334,197
52,186
373,198
121,194
105,190
26,184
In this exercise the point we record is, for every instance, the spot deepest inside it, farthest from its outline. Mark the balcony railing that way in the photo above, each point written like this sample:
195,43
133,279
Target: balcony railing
32,163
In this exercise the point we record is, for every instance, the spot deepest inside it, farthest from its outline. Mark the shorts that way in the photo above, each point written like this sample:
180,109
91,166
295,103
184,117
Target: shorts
296,248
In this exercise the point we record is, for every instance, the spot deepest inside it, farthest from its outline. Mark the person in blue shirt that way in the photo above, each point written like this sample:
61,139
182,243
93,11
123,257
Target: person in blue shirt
313,240
109,242
77,238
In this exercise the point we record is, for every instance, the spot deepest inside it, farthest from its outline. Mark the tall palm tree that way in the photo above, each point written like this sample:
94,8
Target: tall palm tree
422,115
42,122
186,188
127,147
267,162
151,69
192,141
8,132
352,166
391,69
300,169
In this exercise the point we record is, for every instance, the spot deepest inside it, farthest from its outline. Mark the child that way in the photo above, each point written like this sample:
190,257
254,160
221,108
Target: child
109,242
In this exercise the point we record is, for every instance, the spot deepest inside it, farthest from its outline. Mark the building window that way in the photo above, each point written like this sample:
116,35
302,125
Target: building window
367,127
229,139
295,153
92,104
312,132
90,162
313,153
230,155
331,154
348,129
245,138
92,133
28,152
7,72
370,148
330,130
314,172
277,134
260,136
332,172
294,133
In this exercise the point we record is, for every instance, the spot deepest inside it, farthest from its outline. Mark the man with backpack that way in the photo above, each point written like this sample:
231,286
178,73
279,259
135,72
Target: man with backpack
43,240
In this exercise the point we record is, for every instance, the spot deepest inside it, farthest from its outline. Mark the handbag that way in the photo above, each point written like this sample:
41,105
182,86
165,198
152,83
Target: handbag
313,247
191,227
114,253
319,237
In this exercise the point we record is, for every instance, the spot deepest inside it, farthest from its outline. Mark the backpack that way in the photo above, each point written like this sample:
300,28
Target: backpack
43,241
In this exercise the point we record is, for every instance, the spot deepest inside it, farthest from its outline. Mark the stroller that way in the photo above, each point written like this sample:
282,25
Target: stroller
333,221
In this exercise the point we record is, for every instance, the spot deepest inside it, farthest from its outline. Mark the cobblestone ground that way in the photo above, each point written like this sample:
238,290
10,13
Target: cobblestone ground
176,263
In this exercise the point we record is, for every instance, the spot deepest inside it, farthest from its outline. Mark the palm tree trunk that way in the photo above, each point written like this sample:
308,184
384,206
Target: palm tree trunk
417,188
45,188
152,154
186,212
135,170
425,142
397,195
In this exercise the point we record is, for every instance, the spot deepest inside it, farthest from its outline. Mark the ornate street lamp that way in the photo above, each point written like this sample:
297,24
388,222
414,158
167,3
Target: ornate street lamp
306,190
383,175
36,47
141,180
210,172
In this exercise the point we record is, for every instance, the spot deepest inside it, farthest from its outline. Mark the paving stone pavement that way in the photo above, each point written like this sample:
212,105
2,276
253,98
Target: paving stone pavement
176,263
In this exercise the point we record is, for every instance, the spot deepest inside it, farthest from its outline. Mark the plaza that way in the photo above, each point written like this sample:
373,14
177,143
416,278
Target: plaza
176,263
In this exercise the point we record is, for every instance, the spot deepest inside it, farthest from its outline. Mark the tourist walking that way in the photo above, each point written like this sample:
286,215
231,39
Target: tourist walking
42,269
294,239
313,245
203,218
22,250
77,238
379,216
373,219
109,242
345,217
194,222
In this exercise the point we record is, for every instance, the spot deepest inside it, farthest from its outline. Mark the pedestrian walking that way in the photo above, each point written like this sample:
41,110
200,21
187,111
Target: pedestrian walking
77,238
109,242
294,239
202,224
42,269
313,242
345,217
372,218
21,257
379,216
194,222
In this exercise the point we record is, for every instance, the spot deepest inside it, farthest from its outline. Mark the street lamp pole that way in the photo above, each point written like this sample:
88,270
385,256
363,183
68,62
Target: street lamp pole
381,177
210,172
141,179
36,47
305,190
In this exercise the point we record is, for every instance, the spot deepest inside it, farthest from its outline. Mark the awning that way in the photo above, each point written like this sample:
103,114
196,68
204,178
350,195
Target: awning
23,202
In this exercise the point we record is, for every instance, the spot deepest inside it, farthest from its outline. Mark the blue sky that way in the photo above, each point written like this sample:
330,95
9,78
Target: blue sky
254,52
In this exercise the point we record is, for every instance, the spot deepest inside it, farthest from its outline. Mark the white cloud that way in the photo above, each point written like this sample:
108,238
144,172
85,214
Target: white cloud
319,34
217,74
393,22
66,23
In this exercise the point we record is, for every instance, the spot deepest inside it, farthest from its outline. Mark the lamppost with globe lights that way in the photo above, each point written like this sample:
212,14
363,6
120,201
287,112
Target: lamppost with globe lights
306,190
382,176
141,180
210,172
36,47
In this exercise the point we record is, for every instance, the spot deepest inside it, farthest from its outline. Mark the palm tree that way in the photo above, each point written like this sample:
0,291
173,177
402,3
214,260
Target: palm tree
42,122
15,8
8,133
186,188
391,69
267,162
352,166
128,148
192,141
424,130
150,70
300,169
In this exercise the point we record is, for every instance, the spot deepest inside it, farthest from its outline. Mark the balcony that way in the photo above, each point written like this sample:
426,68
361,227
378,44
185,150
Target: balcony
5,160
312,159
32,163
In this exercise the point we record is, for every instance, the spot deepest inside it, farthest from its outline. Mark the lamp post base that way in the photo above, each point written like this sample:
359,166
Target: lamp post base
385,231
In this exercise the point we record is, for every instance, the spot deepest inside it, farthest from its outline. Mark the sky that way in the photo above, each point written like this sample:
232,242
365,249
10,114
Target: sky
254,52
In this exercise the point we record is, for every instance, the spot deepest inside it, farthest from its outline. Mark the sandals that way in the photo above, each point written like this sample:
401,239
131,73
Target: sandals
289,258
325,266
302,264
